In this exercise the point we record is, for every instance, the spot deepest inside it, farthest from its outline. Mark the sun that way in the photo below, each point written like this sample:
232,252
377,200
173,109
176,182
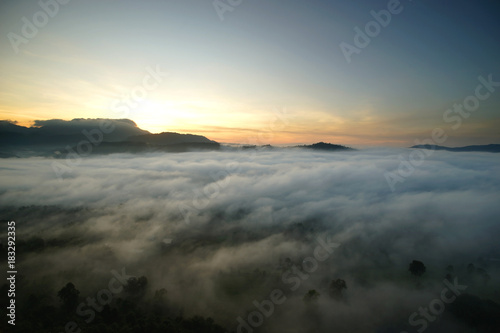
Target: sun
156,116
149,109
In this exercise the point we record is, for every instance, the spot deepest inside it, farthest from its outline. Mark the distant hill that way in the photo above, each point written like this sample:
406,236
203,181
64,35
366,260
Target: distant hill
315,146
325,146
57,132
492,148
169,138
8,127
49,137
57,137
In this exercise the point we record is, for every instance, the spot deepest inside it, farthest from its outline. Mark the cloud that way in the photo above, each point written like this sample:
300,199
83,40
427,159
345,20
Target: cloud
250,210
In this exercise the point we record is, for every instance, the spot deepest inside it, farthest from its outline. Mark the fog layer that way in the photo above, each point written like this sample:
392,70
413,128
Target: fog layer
219,230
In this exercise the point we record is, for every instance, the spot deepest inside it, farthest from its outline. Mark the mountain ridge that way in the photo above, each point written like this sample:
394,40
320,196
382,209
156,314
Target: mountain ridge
50,137
490,148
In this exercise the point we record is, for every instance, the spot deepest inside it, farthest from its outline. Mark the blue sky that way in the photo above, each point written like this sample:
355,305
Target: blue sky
226,78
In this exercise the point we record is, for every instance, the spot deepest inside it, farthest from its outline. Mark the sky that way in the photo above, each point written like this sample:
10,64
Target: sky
228,71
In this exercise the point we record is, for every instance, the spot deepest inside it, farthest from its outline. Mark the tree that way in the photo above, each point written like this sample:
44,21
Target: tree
160,293
311,295
336,288
417,268
159,304
69,296
136,287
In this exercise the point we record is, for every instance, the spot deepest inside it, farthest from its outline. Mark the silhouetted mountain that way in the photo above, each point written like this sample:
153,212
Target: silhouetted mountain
262,147
58,137
169,138
10,127
50,134
106,136
316,146
492,148
12,134
325,146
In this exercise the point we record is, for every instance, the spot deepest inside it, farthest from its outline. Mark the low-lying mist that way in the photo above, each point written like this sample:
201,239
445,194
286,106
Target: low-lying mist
220,230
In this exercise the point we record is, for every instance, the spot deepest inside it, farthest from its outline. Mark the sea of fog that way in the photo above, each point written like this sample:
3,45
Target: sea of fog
222,231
